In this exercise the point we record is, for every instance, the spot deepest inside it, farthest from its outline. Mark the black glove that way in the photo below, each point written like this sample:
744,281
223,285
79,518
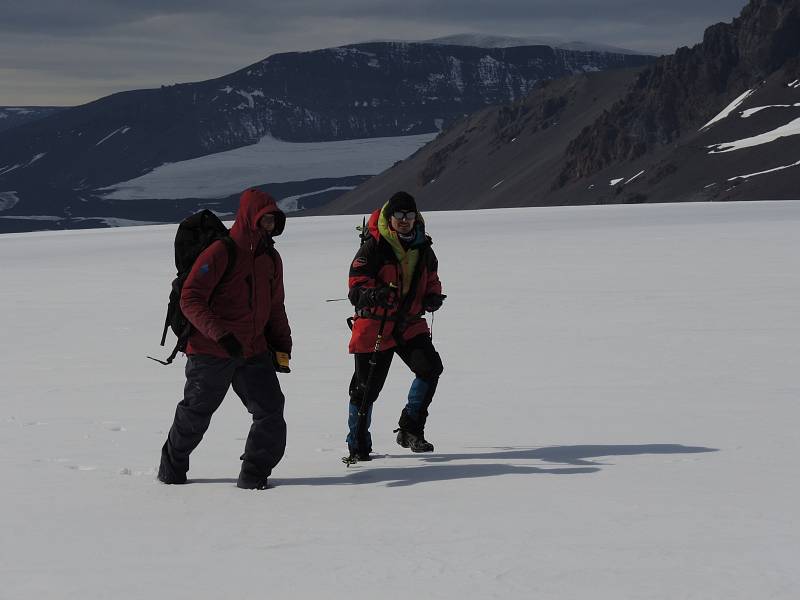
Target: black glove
383,296
433,302
231,345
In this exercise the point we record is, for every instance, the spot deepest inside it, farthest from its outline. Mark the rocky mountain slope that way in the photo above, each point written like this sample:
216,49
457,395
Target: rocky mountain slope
657,134
365,90
13,116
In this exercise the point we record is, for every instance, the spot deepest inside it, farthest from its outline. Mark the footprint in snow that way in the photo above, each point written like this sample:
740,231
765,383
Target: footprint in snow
113,426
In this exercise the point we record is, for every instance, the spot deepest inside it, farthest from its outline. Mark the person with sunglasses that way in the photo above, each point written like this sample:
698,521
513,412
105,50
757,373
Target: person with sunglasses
393,280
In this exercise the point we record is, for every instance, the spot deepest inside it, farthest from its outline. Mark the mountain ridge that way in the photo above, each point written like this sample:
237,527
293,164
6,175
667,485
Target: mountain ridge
351,92
647,142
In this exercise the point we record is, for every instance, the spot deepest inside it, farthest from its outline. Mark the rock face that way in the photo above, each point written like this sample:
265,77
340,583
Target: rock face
500,156
13,116
678,92
719,121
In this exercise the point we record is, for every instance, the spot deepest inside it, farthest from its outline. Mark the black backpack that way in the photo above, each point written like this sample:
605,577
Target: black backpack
195,234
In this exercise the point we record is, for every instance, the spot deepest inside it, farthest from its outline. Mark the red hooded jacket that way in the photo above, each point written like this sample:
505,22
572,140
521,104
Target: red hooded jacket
249,302
376,265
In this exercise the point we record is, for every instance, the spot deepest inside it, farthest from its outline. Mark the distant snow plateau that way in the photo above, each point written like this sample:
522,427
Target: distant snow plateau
269,161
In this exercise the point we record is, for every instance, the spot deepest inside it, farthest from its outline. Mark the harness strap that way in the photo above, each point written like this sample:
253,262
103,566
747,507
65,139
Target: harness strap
392,318
183,338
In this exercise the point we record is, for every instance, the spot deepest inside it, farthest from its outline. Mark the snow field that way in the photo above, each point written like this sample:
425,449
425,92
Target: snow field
617,419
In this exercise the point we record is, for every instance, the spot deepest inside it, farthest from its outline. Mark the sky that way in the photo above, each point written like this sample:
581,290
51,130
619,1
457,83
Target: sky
56,53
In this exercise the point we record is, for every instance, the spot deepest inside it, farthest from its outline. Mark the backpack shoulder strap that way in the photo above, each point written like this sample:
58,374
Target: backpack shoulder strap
180,345
230,246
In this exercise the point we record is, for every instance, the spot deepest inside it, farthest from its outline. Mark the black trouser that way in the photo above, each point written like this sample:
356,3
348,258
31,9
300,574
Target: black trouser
421,357
207,381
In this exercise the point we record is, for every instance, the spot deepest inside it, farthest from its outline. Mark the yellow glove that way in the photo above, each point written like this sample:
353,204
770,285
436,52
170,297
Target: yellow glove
281,361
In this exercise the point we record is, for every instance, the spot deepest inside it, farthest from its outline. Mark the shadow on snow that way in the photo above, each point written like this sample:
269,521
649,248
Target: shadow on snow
432,470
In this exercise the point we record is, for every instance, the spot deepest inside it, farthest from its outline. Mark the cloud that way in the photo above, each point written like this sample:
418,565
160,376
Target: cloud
56,17
89,48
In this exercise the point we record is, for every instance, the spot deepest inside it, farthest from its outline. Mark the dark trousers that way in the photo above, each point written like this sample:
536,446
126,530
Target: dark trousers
207,381
421,357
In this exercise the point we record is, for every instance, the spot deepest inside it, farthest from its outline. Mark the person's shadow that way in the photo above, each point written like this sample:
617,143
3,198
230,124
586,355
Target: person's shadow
500,464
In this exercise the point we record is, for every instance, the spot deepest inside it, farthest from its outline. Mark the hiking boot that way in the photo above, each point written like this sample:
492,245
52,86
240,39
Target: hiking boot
251,478
168,475
252,484
416,442
358,456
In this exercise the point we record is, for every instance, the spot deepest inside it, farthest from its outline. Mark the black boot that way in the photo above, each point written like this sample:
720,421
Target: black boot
417,443
357,456
168,476
411,433
252,478
166,472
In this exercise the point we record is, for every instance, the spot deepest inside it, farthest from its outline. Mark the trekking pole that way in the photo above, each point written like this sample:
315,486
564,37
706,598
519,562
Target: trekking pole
362,409
433,316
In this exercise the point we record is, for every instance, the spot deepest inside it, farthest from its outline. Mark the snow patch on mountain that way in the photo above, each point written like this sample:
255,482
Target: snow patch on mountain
728,109
756,109
639,174
488,68
269,161
791,128
249,97
291,203
36,157
8,168
122,130
456,75
33,217
781,168
116,222
8,200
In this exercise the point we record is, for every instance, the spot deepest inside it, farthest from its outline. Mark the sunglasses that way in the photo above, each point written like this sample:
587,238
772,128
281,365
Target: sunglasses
405,215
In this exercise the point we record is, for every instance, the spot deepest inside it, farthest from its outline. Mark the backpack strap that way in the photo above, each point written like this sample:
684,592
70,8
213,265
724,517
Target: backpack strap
183,338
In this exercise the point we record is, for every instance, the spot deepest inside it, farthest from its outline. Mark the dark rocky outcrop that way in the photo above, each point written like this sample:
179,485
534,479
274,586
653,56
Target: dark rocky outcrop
628,136
679,92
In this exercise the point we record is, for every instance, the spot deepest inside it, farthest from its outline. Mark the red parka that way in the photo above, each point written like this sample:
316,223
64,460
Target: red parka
249,302
375,265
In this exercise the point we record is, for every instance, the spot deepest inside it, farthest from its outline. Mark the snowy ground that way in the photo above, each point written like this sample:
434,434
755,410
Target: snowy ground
617,419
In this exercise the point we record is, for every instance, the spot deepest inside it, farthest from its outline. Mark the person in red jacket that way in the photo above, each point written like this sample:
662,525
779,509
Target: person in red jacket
240,337
394,274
